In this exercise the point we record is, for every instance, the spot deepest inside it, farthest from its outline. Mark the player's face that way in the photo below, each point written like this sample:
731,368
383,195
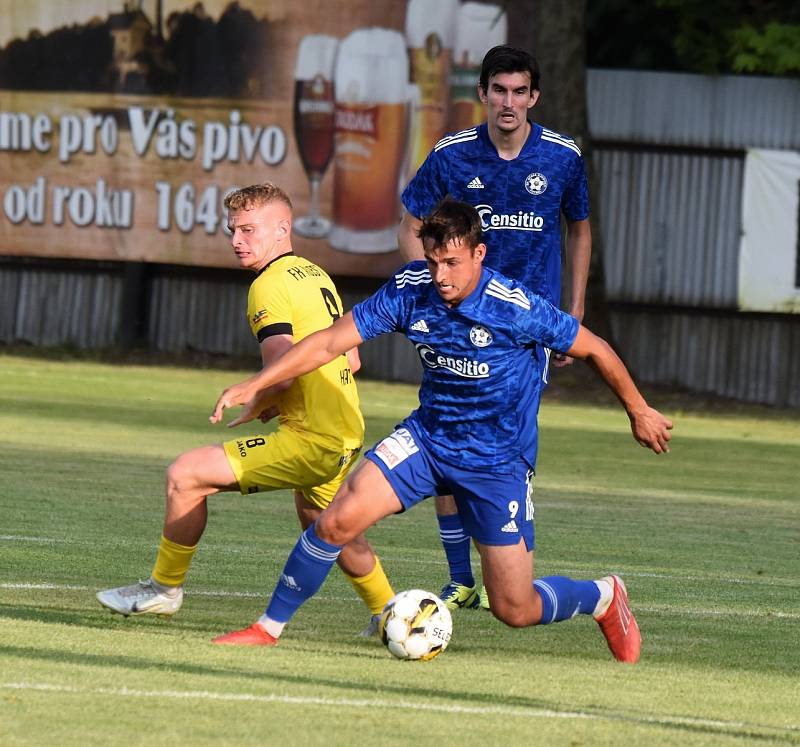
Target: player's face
260,234
455,270
507,100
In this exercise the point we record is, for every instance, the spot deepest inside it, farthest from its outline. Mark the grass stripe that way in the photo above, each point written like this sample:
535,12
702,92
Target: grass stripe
738,728
658,609
226,549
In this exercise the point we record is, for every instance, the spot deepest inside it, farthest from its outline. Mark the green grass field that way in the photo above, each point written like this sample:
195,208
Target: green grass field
707,539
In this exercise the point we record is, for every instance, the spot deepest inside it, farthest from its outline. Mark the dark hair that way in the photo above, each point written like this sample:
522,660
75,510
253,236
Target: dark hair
256,196
505,59
451,220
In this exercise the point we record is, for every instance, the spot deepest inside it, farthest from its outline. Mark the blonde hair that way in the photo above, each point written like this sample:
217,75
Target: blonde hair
256,195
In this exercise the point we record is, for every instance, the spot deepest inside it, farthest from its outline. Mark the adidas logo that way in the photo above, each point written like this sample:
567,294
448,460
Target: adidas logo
510,527
476,183
420,326
290,582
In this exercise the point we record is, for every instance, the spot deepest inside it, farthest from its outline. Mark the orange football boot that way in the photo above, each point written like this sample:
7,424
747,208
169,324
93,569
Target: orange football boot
619,625
255,635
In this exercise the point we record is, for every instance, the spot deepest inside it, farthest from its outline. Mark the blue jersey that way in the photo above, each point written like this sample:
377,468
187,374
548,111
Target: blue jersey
520,201
479,395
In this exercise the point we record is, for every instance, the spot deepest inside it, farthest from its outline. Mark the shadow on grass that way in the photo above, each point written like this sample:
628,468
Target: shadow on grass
687,724
100,620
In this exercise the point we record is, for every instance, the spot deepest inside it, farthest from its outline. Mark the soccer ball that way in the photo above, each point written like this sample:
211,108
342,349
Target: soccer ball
416,625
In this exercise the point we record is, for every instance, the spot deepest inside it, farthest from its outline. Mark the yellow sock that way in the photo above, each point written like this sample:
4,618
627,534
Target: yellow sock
172,562
374,588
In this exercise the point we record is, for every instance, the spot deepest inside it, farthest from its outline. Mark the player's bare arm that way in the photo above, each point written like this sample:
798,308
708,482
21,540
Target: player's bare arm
579,255
407,239
353,360
650,428
267,403
307,355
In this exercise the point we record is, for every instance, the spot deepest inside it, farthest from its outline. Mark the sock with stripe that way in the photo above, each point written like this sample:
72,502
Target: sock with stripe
457,545
307,567
563,598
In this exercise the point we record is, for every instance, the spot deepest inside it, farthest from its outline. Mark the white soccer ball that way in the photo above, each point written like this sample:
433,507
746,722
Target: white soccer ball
415,625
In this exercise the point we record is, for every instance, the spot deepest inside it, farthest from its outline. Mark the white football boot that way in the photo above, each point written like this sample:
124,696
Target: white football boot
142,598
373,628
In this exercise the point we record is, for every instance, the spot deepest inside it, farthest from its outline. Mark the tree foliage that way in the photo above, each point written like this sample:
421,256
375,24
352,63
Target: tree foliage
704,36
774,49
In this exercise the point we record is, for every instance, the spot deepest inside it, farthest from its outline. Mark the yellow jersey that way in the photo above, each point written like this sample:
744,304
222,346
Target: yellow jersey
293,296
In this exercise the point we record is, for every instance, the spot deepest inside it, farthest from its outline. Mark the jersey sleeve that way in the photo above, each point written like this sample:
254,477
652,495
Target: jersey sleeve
383,311
428,186
269,309
575,200
547,325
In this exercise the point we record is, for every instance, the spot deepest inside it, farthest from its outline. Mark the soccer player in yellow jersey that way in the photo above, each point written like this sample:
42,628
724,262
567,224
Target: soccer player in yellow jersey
320,428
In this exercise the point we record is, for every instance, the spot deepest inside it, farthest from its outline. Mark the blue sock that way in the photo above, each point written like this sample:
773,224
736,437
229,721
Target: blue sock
456,544
563,598
307,567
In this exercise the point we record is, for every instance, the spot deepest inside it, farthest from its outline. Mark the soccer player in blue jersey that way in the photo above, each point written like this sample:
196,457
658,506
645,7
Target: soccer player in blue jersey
481,338
521,178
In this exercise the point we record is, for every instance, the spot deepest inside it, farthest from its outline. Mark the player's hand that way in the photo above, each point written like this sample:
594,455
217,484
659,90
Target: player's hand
268,413
250,411
234,395
561,359
651,429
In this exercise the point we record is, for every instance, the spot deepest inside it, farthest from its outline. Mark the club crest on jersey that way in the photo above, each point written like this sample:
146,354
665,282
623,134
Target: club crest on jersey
536,183
480,337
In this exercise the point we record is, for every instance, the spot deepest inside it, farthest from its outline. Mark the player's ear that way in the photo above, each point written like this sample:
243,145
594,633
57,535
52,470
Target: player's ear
482,94
535,93
479,252
283,228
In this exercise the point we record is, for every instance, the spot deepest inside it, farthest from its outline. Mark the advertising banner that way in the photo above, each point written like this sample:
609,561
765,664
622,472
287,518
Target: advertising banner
769,259
124,124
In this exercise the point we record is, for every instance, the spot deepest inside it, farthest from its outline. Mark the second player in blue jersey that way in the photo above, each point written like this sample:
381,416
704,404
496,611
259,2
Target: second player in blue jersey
520,201
522,178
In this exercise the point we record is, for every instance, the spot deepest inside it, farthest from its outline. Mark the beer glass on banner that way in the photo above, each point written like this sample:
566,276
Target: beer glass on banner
371,141
430,35
314,117
479,27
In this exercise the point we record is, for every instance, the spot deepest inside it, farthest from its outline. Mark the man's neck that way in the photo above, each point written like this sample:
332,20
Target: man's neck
509,144
277,254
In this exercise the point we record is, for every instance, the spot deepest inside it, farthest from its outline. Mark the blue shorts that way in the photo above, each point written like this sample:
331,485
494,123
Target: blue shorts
495,508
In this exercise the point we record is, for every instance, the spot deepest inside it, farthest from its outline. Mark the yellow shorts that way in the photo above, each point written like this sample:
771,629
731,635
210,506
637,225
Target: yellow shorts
287,459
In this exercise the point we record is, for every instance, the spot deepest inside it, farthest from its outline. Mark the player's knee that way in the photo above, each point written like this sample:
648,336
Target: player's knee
334,527
173,476
179,478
